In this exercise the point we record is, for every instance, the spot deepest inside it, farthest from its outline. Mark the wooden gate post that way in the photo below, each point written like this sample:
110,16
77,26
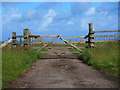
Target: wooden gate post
26,38
91,36
20,42
14,39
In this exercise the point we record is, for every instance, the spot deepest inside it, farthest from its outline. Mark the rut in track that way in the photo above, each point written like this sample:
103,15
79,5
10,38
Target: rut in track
61,69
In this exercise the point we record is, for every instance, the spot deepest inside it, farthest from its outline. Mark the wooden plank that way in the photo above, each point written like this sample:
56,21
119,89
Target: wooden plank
50,36
71,44
43,35
106,40
49,43
107,31
58,42
73,37
69,41
39,42
84,38
19,36
6,43
108,36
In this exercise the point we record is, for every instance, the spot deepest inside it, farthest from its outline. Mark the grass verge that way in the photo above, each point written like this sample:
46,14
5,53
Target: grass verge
104,58
15,62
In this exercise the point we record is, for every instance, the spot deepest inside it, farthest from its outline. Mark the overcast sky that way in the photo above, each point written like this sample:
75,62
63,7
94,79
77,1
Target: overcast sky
58,18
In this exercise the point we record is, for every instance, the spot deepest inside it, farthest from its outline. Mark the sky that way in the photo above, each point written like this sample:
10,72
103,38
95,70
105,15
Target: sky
58,18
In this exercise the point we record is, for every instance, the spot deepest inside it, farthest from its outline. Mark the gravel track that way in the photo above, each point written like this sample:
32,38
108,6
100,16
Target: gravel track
62,73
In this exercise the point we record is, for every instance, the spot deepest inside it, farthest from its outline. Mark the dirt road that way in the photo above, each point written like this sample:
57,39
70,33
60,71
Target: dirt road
61,72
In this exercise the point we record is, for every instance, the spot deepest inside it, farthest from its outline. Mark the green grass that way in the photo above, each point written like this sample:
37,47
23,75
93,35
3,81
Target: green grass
40,50
15,62
82,45
59,45
0,42
73,49
104,58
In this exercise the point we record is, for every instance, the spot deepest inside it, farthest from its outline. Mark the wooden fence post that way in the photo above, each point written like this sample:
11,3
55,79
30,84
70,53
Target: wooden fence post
14,39
91,36
20,42
26,38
